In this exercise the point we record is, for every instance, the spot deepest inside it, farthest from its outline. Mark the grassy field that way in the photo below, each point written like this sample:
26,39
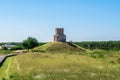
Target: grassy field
96,65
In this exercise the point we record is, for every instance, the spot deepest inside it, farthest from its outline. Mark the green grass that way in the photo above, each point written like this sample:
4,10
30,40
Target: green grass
5,69
62,66
5,52
56,47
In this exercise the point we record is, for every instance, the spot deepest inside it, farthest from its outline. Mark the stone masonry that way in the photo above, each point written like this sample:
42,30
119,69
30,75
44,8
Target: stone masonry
59,35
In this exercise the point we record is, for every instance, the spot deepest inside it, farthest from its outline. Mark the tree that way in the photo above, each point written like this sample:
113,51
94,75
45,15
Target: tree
29,43
4,48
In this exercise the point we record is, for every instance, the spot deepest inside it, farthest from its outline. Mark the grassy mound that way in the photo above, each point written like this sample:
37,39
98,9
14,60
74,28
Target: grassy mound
58,47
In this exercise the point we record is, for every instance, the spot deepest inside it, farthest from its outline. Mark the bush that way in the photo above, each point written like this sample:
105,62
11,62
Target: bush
17,48
30,42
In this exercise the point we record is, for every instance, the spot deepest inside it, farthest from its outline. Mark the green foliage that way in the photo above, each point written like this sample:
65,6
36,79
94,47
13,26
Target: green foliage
30,42
106,45
42,43
17,48
2,44
4,48
5,52
98,54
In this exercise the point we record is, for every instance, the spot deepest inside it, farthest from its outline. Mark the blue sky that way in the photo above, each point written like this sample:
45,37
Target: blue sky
83,20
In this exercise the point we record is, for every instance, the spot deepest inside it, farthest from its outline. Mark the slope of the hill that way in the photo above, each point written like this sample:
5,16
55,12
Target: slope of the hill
59,47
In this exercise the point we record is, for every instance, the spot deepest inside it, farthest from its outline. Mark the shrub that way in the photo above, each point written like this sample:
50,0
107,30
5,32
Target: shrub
30,42
17,48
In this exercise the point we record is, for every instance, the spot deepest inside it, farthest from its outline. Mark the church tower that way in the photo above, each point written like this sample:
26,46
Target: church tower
59,35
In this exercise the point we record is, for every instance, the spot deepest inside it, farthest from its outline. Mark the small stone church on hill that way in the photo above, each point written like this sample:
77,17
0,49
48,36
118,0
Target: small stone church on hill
59,35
